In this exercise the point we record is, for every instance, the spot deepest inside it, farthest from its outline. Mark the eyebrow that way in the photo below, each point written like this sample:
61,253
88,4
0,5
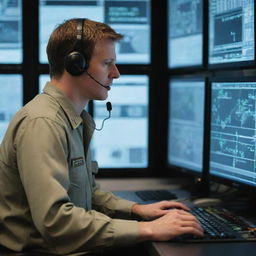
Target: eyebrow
110,59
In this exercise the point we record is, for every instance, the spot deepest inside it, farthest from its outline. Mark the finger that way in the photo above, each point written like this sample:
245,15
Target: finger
178,211
180,205
192,224
173,204
185,216
189,216
185,213
191,230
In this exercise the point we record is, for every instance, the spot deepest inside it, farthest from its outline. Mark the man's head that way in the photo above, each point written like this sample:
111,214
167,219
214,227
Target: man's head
63,41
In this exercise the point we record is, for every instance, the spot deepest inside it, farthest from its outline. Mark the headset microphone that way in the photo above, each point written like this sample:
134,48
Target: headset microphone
109,108
97,81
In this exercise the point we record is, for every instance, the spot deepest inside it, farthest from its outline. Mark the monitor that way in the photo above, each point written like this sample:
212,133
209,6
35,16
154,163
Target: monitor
185,42
131,18
233,132
123,142
186,124
231,32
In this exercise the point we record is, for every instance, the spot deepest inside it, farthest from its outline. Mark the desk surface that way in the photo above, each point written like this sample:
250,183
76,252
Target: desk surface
203,249
178,249
167,248
130,184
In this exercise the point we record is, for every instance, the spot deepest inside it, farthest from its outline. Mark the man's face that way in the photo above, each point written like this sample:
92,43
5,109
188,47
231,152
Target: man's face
102,68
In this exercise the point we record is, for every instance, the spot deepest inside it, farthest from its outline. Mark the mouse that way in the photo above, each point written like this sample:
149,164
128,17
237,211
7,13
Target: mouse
203,202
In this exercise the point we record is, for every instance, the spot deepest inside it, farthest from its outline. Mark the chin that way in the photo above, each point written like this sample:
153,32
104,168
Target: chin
101,97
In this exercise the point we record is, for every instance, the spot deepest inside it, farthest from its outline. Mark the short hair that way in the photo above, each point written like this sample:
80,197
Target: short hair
63,39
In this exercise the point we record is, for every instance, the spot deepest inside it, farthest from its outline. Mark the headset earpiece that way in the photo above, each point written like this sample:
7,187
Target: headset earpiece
75,62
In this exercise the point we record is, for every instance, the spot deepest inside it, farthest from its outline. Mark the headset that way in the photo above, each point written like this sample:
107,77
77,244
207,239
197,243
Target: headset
75,62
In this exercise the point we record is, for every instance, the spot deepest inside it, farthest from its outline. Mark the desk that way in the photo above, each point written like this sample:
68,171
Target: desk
129,184
178,249
203,249
166,248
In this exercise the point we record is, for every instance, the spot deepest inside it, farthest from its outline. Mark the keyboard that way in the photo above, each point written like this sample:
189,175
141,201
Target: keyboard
221,225
155,195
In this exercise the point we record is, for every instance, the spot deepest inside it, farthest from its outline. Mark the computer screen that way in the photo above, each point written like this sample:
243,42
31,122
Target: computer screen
186,124
123,142
233,132
131,18
185,40
231,31
11,44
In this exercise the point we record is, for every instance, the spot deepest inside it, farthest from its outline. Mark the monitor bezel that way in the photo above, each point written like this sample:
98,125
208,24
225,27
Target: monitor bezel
236,64
194,67
174,168
211,177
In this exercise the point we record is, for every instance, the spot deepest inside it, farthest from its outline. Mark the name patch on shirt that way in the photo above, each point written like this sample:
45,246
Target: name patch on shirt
77,162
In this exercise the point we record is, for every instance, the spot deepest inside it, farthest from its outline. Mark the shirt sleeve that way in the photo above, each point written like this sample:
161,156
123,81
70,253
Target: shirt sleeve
42,151
111,205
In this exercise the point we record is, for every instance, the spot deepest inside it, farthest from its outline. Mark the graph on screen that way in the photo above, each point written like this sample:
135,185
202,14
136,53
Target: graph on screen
231,31
233,131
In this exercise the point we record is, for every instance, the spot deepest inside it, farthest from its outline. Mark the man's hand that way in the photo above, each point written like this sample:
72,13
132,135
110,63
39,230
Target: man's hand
156,210
174,223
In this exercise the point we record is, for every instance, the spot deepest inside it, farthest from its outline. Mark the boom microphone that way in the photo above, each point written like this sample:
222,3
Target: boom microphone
105,86
109,108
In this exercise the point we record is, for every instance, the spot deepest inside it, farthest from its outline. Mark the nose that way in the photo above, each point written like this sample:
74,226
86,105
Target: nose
115,72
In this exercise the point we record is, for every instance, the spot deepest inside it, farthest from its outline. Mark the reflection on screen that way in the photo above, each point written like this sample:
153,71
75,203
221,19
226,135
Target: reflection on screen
186,124
11,91
185,33
231,31
233,131
10,31
130,18
123,142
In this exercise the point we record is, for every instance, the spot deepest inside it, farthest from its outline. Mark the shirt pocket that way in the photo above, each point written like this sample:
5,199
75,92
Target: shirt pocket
77,188
76,176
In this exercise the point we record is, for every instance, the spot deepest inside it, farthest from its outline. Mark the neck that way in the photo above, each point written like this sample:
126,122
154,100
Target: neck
68,88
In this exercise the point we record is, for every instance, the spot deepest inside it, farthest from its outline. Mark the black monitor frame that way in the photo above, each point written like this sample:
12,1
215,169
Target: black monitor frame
200,177
231,65
202,66
214,178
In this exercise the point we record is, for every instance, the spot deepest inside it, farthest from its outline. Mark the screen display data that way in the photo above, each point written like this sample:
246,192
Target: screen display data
11,100
233,131
131,18
186,124
185,33
11,31
231,31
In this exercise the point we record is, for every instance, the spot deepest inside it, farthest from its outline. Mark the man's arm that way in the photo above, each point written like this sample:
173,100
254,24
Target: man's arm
42,161
111,205
106,202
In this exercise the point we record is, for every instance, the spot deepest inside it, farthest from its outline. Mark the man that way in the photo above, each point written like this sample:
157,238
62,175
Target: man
49,199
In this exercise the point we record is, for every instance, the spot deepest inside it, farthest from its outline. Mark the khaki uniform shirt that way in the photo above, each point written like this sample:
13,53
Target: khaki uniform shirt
48,197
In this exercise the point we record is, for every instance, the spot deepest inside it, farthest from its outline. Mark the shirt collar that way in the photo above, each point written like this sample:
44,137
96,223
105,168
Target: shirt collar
65,104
